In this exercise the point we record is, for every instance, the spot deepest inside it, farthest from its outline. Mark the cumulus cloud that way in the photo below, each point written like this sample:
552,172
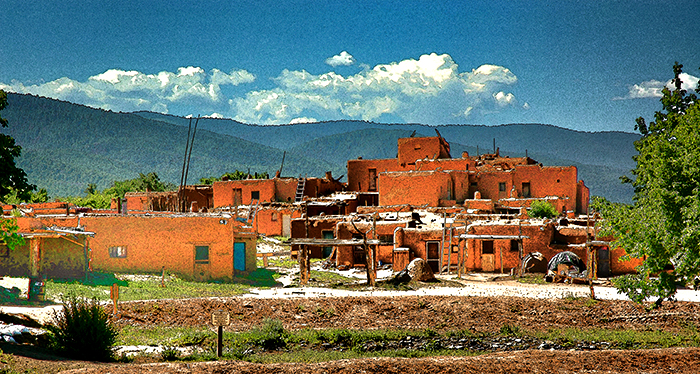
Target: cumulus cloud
343,59
429,90
652,88
132,90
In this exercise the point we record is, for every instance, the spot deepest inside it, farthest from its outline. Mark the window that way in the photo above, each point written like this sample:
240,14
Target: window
274,216
372,179
201,254
255,195
387,239
487,247
117,252
514,246
4,251
502,186
526,189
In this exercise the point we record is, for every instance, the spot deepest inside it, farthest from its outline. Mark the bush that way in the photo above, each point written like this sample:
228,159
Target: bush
83,330
542,209
271,335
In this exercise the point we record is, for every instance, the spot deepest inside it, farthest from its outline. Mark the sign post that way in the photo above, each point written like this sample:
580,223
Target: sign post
220,318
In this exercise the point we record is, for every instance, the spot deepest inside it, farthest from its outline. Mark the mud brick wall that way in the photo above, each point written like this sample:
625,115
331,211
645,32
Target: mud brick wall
149,243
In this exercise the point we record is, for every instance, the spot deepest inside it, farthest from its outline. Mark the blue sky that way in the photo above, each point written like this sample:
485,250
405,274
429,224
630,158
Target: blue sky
584,65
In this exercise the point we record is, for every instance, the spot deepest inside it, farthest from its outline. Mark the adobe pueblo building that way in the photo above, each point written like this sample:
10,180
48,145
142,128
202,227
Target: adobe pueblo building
458,214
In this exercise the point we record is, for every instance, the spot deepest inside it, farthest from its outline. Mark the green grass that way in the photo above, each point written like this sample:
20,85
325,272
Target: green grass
531,279
150,287
625,339
271,343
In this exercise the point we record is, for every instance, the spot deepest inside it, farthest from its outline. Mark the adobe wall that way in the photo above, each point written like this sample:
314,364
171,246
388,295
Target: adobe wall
583,196
286,189
619,266
38,208
412,149
58,259
358,172
225,196
540,237
416,188
152,242
270,220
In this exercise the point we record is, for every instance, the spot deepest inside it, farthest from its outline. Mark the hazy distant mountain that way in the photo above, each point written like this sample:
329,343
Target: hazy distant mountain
67,146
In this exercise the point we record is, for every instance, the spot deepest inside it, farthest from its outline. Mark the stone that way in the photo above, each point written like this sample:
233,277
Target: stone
419,270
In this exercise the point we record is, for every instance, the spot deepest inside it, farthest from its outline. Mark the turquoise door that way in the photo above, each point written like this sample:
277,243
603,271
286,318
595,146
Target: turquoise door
239,256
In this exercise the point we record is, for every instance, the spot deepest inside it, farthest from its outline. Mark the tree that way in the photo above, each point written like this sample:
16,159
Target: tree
662,226
102,200
12,178
542,209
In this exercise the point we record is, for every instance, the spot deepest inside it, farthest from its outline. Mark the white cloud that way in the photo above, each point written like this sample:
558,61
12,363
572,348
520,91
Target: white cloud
303,120
132,90
343,59
429,90
652,88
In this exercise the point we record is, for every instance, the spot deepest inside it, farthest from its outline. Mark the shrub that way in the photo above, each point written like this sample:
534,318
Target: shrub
83,330
271,335
542,209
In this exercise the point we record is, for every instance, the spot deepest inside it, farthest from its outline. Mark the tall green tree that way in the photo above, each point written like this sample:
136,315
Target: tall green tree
662,226
12,178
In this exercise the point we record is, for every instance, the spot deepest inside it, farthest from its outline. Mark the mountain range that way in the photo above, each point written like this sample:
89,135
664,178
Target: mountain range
66,146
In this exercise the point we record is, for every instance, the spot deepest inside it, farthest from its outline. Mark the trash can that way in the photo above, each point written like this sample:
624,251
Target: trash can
37,289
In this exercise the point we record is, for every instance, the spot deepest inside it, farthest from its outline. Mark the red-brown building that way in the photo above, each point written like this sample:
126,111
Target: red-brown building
425,174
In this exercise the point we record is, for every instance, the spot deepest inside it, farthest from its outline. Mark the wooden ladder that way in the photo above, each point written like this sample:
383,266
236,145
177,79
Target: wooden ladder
301,185
253,210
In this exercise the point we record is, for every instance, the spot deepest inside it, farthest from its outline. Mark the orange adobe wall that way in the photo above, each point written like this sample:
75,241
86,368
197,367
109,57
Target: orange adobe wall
417,188
149,243
412,149
276,221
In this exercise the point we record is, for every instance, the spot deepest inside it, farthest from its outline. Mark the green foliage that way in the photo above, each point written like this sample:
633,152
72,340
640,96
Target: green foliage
270,335
8,233
542,209
12,178
15,198
235,176
83,330
662,226
102,200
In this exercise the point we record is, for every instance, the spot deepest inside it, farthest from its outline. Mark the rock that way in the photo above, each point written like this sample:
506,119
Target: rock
401,277
419,270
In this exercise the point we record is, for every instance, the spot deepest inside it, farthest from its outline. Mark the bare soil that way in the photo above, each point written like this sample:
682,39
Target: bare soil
439,313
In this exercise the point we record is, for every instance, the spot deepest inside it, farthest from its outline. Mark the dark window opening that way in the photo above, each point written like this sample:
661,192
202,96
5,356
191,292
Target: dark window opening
487,247
386,239
201,254
502,186
526,189
117,252
255,195
514,246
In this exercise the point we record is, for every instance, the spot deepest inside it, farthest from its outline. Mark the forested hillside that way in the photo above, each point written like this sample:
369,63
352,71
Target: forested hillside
66,146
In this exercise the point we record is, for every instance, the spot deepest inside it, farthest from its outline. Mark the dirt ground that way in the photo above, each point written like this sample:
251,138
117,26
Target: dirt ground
440,313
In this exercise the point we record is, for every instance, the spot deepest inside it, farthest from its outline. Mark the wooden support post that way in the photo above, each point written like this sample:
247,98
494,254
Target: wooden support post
162,279
304,264
114,295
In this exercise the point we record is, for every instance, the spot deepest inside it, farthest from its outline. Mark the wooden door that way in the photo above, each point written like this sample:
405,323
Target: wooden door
432,252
